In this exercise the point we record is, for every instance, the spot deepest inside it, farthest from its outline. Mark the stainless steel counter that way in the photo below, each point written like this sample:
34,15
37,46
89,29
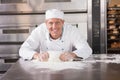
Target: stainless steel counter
97,67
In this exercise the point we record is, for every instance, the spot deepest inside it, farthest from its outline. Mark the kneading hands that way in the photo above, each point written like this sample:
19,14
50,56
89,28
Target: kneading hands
44,57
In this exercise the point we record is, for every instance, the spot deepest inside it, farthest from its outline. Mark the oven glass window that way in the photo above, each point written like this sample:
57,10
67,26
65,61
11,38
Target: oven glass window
12,1
13,31
57,0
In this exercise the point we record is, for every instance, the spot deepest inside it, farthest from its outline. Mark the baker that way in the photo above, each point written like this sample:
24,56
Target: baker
55,35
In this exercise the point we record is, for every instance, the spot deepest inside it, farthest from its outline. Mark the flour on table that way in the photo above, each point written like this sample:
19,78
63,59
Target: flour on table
113,58
59,65
54,63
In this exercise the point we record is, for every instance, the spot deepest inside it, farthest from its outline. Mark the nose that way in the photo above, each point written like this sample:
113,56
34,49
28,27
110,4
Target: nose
54,26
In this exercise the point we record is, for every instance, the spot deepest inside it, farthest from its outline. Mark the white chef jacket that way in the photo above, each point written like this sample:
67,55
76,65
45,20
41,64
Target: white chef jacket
39,40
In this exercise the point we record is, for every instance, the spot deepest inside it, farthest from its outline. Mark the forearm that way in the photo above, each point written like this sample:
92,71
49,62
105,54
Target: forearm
83,52
26,53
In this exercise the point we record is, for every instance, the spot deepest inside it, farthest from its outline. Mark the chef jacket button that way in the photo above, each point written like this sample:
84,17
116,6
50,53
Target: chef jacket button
62,41
62,49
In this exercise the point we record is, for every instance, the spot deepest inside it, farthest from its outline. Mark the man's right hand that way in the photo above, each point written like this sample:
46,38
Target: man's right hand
41,56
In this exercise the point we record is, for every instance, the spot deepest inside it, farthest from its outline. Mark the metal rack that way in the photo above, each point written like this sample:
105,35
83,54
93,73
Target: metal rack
113,29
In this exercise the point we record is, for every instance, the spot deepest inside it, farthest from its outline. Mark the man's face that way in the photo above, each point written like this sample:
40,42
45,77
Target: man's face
54,26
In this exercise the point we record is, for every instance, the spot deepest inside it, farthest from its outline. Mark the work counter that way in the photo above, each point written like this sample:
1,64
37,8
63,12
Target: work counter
96,67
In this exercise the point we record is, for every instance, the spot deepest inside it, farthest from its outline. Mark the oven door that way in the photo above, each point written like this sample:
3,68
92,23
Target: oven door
66,5
11,39
35,6
12,34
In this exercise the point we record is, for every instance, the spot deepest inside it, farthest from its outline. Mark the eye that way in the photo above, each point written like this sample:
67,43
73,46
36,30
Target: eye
50,23
57,23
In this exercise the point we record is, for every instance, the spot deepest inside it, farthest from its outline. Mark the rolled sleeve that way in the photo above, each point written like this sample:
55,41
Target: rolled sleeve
82,47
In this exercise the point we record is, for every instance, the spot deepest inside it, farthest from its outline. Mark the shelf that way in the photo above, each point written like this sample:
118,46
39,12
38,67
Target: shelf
111,18
113,48
113,8
113,34
112,29
118,39
113,52
114,13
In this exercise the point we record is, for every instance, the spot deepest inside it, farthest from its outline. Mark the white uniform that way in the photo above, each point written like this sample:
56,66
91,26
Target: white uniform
39,40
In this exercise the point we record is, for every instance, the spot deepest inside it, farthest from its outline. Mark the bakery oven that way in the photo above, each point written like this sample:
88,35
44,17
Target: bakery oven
11,38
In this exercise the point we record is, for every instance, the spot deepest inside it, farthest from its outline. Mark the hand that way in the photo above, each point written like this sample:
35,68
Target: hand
67,56
41,56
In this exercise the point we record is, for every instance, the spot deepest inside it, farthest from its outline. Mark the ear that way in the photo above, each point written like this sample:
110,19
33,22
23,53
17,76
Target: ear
46,21
63,21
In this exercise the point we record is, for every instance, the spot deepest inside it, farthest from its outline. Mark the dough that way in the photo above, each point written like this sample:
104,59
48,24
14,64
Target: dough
54,56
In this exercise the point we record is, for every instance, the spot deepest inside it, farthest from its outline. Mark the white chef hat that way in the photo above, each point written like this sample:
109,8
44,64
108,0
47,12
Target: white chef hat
54,13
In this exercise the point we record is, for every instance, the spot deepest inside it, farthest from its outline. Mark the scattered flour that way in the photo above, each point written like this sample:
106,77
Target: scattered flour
54,63
59,65
113,58
35,64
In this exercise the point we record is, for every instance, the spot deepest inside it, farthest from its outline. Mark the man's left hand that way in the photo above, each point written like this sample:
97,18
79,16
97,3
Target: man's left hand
66,56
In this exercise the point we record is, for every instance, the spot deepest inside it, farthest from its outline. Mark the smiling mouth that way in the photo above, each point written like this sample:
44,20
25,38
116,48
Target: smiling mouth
55,31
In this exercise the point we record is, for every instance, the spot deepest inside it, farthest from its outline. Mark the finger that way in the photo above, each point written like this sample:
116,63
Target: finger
40,57
36,56
45,57
62,57
70,57
67,57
